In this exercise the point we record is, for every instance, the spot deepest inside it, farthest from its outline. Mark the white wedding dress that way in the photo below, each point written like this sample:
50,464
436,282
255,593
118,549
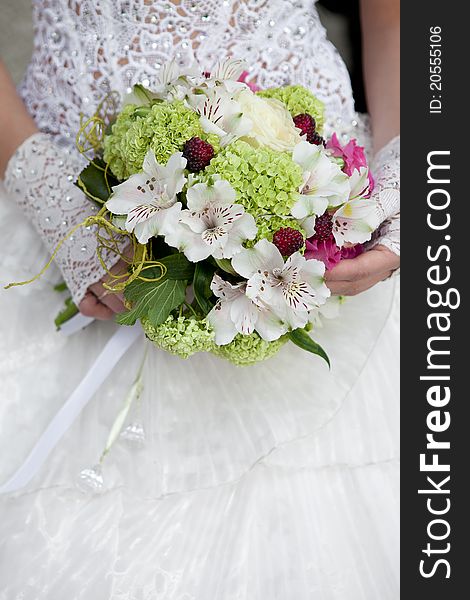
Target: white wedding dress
275,482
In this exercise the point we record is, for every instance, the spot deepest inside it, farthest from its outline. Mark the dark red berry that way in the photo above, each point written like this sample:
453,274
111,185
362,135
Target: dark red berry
288,240
323,227
198,153
306,124
317,140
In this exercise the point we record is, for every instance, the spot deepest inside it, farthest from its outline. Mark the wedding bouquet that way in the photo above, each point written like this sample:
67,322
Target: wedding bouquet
232,204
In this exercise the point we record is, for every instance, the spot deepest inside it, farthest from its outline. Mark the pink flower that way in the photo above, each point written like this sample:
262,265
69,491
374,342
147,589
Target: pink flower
351,251
328,252
253,87
353,155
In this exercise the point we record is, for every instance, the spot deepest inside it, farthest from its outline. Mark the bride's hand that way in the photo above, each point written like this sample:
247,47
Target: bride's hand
99,302
353,276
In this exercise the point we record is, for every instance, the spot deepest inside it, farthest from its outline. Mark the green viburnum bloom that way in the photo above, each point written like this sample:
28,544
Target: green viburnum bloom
298,100
181,336
266,181
247,350
163,127
267,227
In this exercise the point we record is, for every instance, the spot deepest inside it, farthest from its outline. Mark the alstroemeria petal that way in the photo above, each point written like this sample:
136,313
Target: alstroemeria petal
270,326
264,255
244,314
219,319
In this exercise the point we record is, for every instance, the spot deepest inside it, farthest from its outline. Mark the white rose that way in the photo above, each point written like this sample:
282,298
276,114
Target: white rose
272,123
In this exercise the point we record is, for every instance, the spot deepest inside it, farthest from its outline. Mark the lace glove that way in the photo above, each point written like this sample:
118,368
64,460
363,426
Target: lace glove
386,169
40,176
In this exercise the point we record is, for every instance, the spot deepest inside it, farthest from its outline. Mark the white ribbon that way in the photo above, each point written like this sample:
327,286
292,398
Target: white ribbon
115,348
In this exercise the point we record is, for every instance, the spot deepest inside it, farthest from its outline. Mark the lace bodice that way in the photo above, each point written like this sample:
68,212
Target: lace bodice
84,48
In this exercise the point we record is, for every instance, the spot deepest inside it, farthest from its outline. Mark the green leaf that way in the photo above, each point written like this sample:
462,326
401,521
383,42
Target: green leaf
178,266
203,274
66,314
226,265
153,299
302,339
96,182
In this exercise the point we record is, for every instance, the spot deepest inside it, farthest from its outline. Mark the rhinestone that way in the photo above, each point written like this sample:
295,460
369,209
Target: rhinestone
134,433
18,169
299,33
91,480
47,220
69,177
74,53
272,23
185,44
153,19
64,223
33,171
354,123
206,17
110,36
154,45
126,47
83,249
61,163
157,65
128,90
68,198
56,36
145,82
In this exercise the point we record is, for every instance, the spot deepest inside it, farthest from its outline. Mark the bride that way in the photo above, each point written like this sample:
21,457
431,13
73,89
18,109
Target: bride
278,481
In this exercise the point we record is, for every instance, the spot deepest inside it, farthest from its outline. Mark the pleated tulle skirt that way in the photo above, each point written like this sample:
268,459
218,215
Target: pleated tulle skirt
278,481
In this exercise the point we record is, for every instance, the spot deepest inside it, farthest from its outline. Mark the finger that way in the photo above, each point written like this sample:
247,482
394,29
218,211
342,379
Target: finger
376,261
90,306
109,299
352,288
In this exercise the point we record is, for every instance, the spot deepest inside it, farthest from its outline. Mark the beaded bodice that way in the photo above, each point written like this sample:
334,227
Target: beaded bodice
85,48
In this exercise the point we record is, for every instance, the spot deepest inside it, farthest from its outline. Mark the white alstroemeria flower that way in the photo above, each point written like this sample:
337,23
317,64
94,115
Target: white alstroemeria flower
324,185
329,310
174,82
355,221
220,114
213,225
148,199
229,68
291,289
236,313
